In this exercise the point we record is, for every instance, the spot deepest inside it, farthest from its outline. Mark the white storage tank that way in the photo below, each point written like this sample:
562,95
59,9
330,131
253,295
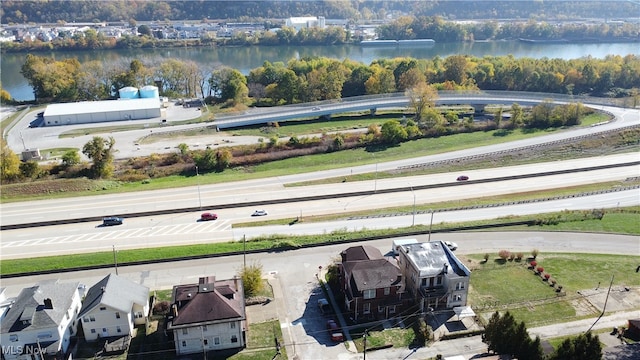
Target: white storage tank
128,92
149,92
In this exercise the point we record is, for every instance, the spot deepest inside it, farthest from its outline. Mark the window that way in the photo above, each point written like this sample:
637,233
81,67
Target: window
103,308
387,291
85,319
118,329
460,286
204,327
366,308
369,294
439,280
216,340
13,337
233,325
206,342
185,331
457,297
234,339
138,315
392,309
117,315
381,309
92,318
184,343
424,282
93,331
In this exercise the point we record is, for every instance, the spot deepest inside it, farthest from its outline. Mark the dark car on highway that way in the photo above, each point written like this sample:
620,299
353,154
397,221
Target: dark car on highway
462,178
112,220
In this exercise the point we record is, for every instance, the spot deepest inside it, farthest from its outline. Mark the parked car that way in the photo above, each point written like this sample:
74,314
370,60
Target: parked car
451,245
112,220
259,213
208,216
334,331
462,178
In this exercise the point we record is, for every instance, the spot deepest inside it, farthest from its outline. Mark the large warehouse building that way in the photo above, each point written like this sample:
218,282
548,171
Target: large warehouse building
132,105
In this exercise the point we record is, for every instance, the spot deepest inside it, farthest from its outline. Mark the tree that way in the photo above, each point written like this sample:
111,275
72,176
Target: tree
582,347
223,159
393,132
70,158
252,279
421,98
100,151
144,30
30,169
9,162
504,335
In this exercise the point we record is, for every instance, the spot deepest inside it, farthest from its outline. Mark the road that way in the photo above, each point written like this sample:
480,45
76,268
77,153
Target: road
184,227
295,272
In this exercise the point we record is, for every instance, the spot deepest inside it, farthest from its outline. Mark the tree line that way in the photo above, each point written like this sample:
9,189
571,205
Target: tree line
318,78
42,11
403,28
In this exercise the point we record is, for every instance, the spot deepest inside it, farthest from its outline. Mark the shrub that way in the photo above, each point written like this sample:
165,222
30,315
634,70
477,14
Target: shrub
512,256
161,308
547,276
519,256
504,254
533,264
534,253
540,269
486,257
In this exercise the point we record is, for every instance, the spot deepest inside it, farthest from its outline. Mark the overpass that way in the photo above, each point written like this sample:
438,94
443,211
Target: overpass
477,99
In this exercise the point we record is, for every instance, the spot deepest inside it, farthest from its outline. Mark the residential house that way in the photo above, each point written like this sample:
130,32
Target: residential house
208,316
41,321
372,285
113,307
433,275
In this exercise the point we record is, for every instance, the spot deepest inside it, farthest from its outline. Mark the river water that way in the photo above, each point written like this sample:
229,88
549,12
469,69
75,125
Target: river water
247,58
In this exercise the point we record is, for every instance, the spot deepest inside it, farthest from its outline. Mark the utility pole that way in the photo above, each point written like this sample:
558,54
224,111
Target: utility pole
430,226
198,183
413,221
115,259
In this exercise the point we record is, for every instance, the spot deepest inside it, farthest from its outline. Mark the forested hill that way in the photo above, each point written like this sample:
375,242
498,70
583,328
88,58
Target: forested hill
61,11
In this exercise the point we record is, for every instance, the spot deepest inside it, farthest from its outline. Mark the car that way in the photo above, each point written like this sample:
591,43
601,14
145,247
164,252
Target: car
315,108
451,245
208,216
259,213
334,330
112,220
462,178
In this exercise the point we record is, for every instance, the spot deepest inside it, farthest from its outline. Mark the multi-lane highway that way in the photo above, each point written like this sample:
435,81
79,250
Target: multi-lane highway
182,227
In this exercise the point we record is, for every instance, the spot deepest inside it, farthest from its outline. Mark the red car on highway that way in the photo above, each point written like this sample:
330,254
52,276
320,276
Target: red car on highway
208,216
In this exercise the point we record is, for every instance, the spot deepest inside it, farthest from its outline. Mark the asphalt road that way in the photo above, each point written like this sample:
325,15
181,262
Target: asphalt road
295,272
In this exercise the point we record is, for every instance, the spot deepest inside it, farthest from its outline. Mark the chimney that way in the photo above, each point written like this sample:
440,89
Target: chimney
48,304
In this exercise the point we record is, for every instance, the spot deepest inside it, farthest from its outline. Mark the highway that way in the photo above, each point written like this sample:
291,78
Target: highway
183,227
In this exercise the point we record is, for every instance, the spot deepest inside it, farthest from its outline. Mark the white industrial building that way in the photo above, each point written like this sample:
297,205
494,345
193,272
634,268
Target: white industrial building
132,105
306,22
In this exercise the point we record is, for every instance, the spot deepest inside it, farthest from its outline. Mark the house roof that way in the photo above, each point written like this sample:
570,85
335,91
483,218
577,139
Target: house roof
361,252
433,258
30,306
208,302
373,274
115,292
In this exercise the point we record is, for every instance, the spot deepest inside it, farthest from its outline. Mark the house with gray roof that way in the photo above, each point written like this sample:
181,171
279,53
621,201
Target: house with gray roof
434,277
372,285
113,307
41,321
207,316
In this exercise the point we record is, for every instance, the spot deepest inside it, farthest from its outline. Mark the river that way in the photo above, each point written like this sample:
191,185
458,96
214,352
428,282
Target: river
247,58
